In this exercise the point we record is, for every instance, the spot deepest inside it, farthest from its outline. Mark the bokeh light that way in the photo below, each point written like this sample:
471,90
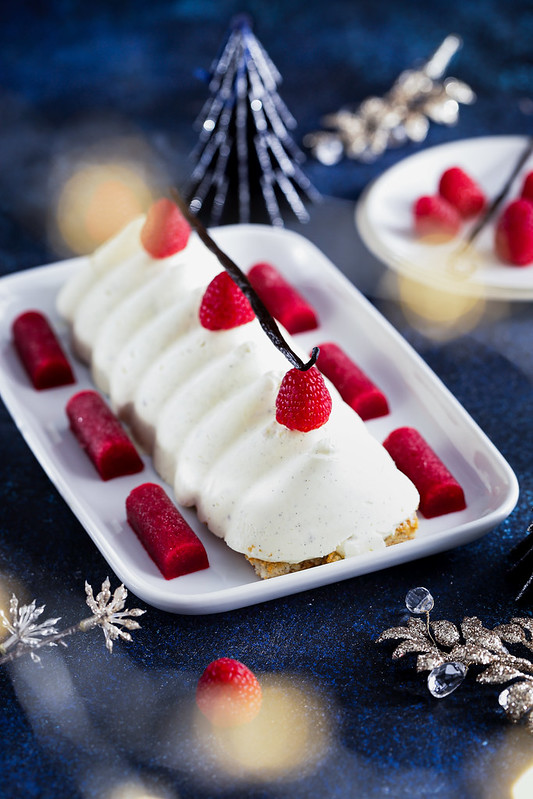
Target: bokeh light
8,587
290,737
439,311
97,189
97,201
136,789
523,787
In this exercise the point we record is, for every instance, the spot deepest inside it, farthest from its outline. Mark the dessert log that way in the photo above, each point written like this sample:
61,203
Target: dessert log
203,403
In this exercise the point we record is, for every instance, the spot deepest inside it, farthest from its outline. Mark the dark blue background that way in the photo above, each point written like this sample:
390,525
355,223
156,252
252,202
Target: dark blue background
72,73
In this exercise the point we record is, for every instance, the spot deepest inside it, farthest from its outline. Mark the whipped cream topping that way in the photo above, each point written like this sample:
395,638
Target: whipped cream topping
203,404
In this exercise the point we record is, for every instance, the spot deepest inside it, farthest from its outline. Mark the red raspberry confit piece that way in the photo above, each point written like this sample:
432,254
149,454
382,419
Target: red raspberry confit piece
527,187
171,543
40,352
351,382
282,300
439,491
101,435
228,693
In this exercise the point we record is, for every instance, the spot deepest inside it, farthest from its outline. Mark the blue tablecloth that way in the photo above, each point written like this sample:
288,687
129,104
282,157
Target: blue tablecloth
89,724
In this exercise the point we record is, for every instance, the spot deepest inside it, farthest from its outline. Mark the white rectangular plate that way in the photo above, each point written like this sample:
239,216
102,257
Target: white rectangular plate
416,397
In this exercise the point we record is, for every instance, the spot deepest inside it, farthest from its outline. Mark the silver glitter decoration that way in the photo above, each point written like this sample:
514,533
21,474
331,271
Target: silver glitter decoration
448,651
403,114
517,700
27,635
246,122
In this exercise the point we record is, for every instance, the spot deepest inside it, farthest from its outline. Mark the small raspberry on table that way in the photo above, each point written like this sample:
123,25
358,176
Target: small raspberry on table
303,402
228,693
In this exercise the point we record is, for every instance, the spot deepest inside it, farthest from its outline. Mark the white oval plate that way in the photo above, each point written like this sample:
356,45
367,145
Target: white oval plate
385,223
416,396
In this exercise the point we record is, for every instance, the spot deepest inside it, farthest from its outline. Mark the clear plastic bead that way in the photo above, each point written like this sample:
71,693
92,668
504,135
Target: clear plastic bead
444,679
419,601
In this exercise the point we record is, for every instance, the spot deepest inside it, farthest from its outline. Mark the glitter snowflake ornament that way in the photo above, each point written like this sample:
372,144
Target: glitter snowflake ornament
24,629
28,635
403,114
245,148
109,614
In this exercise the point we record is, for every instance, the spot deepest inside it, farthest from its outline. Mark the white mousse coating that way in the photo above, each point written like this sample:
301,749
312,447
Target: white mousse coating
203,403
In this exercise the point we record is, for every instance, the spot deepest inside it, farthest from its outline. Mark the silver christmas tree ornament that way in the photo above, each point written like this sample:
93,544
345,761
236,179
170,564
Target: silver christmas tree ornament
245,147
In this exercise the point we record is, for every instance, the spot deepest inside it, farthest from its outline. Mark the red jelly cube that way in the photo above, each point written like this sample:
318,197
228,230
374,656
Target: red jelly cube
351,382
439,491
40,352
281,300
101,435
164,533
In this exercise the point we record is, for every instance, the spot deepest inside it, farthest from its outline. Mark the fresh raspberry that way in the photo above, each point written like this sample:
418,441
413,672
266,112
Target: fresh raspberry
514,233
527,187
303,402
166,231
461,191
224,305
228,693
435,218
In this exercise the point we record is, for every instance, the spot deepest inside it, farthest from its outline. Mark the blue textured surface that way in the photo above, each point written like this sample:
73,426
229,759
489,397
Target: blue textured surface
72,72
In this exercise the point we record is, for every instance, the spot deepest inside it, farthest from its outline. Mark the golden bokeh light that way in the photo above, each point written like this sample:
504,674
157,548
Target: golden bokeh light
135,789
290,737
502,767
8,587
439,311
523,787
97,200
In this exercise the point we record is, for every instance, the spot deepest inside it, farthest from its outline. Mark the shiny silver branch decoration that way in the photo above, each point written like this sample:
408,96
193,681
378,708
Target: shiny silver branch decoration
28,635
418,97
448,651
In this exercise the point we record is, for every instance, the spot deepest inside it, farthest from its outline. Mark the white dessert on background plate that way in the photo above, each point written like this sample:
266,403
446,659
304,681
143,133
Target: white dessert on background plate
202,402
